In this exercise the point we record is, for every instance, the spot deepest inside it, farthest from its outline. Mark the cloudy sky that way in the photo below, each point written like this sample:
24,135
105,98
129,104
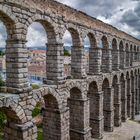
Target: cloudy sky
123,14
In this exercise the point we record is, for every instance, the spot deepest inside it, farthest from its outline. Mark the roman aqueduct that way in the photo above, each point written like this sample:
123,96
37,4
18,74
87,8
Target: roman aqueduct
78,108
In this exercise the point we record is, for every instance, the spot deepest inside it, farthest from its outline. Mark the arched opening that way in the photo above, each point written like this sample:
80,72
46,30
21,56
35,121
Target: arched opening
115,55
36,45
51,119
135,53
95,110
108,111
139,86
117,101
131,55
37,114
105,55
127,55
133,94
14,79
76,112
68,44
122,57
76,54
54,53
123,98
92,52
87,46
136,93
8,121
3,38
138,53
129,95
7,32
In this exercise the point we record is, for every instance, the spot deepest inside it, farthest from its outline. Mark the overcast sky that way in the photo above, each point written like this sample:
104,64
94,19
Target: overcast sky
123,14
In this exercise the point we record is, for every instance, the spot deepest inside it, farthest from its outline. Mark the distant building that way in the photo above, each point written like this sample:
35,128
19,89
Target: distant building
37,65
3,67
67,66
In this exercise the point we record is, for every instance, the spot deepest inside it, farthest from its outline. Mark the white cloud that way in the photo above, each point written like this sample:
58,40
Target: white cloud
36,36
109,11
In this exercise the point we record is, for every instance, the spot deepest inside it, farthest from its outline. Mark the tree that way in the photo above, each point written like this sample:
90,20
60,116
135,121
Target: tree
66,53
2,83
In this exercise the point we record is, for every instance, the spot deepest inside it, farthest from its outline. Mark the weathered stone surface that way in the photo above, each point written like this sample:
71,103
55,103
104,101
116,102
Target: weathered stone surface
78,108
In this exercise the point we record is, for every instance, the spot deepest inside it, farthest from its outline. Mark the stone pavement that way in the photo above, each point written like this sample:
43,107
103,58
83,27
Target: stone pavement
125,132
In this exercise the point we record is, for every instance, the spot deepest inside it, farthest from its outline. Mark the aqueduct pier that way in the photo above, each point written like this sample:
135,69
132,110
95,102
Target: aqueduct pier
78,108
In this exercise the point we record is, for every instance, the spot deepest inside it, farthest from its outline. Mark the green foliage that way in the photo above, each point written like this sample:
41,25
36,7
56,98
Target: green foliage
2,83
2,119
40,134
2,53
35,86
66,53
1,136
36,111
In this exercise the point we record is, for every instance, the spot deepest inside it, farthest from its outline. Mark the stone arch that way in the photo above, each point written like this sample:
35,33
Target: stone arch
138,53
115,55
122,57
127,55
36,62
51,118
105,43
49,28
77,53
123,97
76,40
54,46
9,105
105,55
138,71
92,50
79,108
92,40
133,93
75,93
135,53
129,94
108,111
10,22
78,85
95,110
52,111
131,55
16,118
117,101
136,80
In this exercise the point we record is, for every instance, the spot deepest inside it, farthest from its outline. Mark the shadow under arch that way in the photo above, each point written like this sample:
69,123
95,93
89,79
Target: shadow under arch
91,55
127,61
117,101
129,95
51,118
15,119
115,55
105,55
108,111
77,52
123,98
95,110
78,108
121,57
